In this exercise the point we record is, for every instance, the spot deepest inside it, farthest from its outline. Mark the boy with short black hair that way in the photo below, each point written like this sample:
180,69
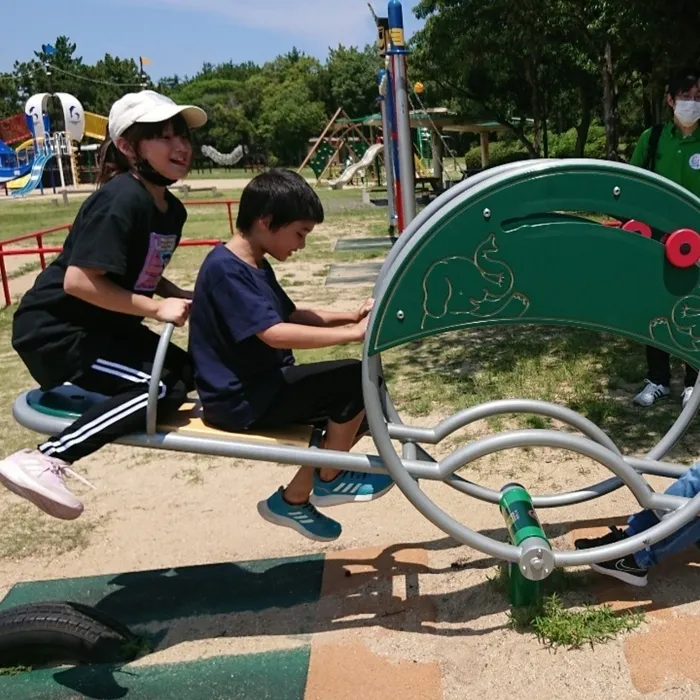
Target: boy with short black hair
243,328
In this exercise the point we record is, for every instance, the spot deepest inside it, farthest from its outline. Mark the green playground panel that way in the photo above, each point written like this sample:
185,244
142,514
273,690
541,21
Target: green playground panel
360,148
517,253
274,675
321,158
325,152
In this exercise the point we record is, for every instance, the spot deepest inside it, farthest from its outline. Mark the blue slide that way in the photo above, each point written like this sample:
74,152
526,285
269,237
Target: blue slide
35,177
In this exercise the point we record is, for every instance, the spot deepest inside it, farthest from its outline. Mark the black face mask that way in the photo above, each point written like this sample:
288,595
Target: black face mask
149,173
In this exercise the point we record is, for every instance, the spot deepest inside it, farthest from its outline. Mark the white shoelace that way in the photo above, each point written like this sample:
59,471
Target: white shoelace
62,470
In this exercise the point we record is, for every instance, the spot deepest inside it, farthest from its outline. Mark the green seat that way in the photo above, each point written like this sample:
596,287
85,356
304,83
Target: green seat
66,401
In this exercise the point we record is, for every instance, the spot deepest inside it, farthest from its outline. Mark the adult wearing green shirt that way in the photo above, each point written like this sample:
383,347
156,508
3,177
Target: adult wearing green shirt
676,157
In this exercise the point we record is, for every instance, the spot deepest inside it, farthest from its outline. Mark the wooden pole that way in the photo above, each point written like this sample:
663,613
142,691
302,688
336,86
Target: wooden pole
484,138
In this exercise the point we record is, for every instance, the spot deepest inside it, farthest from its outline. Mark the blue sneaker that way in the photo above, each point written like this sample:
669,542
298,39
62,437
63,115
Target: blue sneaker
304,518
350,487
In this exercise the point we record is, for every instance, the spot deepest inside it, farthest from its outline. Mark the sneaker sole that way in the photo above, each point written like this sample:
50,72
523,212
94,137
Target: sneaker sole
621,576
649,405
275,519
341,499
48,505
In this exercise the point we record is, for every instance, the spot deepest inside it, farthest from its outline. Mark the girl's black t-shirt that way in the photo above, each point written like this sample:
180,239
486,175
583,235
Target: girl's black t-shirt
118,229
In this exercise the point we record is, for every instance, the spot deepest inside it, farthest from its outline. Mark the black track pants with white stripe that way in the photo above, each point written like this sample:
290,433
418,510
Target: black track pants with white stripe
120,368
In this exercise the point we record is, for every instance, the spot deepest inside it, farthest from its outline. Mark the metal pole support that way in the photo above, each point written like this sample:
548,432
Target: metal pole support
397,51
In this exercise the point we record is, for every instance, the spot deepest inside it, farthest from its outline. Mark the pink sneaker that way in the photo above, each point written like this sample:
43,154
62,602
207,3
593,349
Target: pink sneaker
41,480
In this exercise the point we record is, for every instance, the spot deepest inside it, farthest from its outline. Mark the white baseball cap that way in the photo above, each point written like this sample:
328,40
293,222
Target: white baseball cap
150,107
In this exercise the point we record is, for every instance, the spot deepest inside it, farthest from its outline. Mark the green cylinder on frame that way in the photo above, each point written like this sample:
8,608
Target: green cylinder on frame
522,523
519,513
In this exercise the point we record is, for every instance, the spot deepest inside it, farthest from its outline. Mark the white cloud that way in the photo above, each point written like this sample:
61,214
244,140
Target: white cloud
330,21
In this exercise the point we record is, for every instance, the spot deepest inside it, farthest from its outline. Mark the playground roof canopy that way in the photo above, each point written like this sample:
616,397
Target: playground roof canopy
439,117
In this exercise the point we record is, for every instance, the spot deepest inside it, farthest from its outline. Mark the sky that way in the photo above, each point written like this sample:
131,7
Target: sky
180,35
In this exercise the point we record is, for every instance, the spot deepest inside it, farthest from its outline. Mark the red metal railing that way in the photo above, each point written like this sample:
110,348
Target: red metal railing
210,202
43,250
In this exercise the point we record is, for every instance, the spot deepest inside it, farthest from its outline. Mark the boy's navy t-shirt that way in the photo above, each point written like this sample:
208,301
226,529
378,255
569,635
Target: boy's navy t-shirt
236,374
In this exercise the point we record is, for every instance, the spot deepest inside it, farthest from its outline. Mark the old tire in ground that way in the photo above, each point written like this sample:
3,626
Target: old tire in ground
59,632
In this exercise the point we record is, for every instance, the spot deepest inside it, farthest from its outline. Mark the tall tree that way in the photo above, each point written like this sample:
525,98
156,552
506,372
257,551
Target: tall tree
352,80
501,69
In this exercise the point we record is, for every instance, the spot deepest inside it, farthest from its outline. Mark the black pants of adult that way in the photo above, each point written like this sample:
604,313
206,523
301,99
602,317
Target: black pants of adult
659,368
120,368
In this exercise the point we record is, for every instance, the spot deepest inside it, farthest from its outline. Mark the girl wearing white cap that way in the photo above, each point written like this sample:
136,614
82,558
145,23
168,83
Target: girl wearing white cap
82,320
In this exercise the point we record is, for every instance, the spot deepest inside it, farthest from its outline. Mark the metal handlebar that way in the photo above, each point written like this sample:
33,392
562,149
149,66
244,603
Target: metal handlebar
154,383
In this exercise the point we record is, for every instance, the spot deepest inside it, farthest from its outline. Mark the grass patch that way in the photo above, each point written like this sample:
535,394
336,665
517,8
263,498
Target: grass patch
555,625
25,534
190,476
14,670
142,645
24,270
538,422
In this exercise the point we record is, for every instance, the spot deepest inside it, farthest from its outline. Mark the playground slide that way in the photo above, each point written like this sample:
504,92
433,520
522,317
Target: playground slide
18,183
35,176
370,154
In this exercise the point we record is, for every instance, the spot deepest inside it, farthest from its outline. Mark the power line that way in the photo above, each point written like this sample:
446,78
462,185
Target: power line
94,80
12,78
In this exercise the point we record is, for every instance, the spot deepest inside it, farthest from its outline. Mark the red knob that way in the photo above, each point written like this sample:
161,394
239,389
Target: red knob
683,248
637,227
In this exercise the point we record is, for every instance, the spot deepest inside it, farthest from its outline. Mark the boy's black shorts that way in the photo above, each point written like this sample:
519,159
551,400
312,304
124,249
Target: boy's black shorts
316,392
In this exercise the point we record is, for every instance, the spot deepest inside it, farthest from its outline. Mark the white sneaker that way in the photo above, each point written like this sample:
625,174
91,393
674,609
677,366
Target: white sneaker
41,480
651,393
685,396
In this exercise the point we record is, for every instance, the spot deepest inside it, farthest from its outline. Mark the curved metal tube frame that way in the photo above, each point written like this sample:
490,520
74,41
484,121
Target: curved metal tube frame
386,424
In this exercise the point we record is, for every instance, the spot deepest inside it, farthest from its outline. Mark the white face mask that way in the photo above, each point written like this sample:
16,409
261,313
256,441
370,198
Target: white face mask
687,112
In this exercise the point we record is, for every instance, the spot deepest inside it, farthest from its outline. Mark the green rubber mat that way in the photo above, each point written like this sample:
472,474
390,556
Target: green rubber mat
174,599
168,594
268,676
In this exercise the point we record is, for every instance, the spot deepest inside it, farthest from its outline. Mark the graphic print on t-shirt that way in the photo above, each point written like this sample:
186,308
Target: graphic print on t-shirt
160,250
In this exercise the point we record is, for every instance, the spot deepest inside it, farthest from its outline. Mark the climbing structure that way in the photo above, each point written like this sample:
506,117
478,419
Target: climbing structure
342,137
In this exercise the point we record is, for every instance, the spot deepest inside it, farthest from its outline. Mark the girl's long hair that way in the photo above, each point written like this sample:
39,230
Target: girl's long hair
113,162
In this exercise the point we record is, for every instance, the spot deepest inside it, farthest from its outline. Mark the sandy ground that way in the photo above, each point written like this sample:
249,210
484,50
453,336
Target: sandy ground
414,597
405,611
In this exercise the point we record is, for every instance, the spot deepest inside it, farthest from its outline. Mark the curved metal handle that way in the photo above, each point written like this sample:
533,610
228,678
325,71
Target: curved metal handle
154,383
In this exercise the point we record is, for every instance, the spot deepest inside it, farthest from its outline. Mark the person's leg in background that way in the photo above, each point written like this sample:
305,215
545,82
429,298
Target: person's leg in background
658,379
633,568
